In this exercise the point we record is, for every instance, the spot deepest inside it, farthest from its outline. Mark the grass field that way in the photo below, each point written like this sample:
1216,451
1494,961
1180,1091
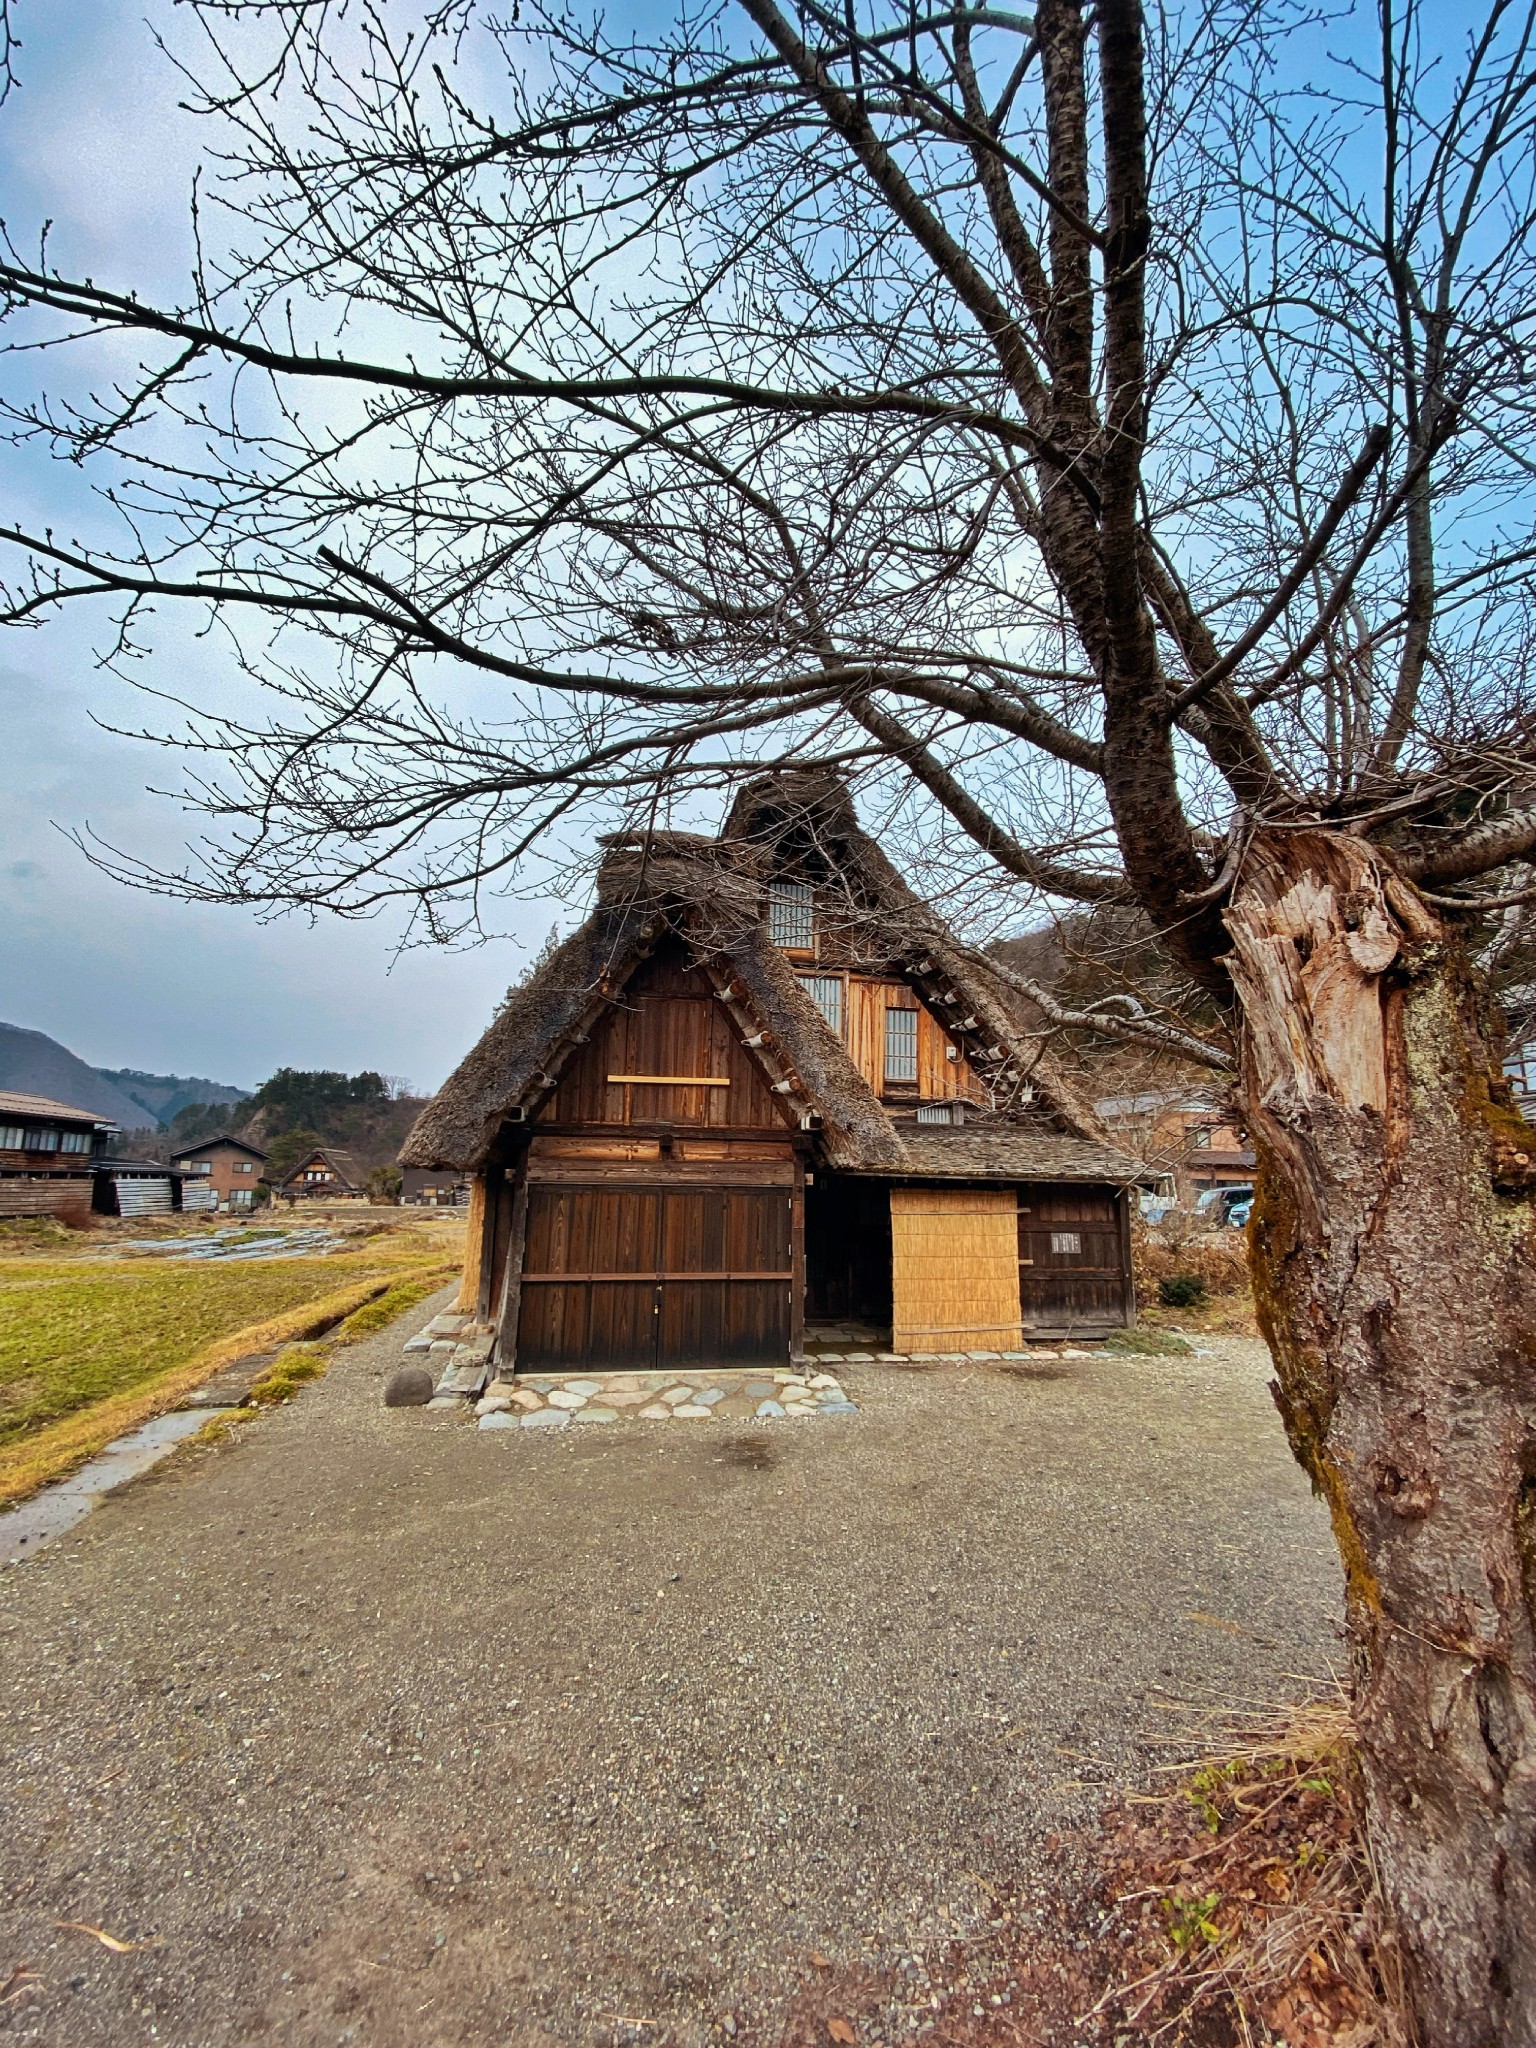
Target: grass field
88,1345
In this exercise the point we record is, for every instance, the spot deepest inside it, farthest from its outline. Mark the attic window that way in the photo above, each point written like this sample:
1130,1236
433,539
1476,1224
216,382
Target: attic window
791,920
826,992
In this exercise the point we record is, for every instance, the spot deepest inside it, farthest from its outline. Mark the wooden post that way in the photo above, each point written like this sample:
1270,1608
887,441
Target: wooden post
1125,1258
512,1277
490,1209
797,1265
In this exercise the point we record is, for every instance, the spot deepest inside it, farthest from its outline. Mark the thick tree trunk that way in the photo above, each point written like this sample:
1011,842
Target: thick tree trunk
1393,1260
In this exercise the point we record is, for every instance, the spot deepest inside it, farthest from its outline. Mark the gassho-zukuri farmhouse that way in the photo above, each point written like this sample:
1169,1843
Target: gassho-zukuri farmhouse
764,1092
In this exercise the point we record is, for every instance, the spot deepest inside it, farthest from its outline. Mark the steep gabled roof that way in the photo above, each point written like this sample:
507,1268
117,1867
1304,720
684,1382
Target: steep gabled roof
342,1162
710,893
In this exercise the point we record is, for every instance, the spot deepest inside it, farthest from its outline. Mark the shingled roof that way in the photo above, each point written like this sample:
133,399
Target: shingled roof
711,894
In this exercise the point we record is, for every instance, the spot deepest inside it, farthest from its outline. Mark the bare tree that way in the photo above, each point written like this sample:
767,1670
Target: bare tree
1110,432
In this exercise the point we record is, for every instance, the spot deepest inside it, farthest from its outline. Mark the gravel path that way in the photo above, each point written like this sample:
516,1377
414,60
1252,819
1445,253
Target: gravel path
373,1728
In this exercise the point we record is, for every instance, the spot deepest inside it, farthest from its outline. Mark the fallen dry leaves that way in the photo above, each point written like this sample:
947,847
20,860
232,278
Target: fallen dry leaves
1232,1907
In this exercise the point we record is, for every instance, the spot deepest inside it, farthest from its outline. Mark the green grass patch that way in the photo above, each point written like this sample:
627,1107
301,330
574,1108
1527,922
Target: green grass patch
1147,1343
72,1334
286,1374
374,1315
160,1381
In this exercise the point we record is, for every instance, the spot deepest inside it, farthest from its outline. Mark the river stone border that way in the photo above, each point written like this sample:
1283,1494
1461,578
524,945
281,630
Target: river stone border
558,1400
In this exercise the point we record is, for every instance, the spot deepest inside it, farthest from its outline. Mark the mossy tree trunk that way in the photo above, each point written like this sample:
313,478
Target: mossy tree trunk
1392,1251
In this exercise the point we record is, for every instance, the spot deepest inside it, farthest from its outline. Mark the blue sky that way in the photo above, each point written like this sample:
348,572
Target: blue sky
94,141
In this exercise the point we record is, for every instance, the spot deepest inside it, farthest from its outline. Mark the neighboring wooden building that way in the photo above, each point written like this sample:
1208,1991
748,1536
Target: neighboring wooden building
228,1167
764,1085
424,1190
1187,1135
48,1151
328,1174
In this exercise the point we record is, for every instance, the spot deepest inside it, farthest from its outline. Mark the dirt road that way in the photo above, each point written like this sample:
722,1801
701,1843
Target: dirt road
372,1728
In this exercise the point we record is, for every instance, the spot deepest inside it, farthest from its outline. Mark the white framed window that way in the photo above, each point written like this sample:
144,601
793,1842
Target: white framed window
75,1141
10,1137
791,916
244,1166
826,992
41,1140
900,1045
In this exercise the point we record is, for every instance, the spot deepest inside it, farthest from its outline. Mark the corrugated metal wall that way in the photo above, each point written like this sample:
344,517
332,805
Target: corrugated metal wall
151,1197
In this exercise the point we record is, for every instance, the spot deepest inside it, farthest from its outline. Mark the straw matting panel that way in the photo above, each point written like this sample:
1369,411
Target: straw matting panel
955,1269
474,1231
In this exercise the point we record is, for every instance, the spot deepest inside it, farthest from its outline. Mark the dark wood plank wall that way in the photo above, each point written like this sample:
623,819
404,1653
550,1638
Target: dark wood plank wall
1073,1257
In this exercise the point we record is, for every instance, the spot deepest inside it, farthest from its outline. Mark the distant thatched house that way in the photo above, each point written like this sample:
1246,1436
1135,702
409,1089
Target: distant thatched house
764,1083
328,1174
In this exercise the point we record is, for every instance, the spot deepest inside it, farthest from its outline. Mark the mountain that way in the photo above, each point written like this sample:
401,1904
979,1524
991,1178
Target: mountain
163,1094
32,1063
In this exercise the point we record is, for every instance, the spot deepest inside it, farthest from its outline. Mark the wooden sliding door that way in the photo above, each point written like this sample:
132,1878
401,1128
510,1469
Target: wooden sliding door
648,1278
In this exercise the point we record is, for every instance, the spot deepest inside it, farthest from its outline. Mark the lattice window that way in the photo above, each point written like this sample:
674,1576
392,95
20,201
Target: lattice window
901,1045
791,916
826,992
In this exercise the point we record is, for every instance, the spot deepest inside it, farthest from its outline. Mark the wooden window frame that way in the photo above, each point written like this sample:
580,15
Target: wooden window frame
909,1054
779,896
834,974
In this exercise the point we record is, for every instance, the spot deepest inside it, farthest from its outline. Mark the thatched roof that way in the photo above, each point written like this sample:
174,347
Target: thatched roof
346,1165
710,894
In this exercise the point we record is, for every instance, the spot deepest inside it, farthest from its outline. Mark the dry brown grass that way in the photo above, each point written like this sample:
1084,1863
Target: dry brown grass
1232,1906
1217,1257
1245,1900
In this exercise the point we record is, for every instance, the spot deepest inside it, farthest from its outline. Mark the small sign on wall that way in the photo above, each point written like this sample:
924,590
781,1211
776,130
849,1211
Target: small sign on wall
1067,1242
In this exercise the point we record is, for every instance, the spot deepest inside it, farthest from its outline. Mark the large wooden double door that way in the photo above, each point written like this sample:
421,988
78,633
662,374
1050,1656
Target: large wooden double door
648,1278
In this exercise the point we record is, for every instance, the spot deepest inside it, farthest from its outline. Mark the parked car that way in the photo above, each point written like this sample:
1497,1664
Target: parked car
1155,1202
1218,1203
1238,1214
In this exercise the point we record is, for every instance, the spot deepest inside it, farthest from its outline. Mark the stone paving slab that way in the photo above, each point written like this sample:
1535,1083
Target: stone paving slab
546,1400
24,1530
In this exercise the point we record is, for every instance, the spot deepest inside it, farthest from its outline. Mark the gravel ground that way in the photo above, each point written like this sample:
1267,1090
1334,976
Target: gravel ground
368,1727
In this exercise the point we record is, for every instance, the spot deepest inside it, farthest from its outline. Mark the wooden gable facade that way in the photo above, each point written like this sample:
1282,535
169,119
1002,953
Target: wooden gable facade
657,1206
